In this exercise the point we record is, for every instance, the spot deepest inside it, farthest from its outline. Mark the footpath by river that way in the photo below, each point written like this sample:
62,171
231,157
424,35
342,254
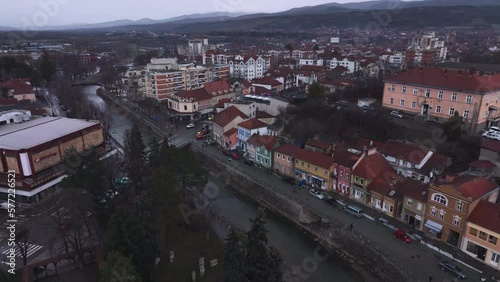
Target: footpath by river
297,247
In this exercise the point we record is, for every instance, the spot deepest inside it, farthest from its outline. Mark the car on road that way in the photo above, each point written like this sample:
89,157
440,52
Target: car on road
331,202
191,125
451,267
200,136
235,155
491,135
401,235
289,180
396,114
317,194
203,131
249,162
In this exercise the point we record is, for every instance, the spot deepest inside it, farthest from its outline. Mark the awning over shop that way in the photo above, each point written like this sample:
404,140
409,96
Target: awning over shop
436,227
418,217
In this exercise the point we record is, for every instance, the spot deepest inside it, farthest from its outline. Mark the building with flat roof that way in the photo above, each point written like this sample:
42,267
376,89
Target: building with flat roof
34,151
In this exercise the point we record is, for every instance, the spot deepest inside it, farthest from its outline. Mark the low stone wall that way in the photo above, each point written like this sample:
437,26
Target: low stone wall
336,237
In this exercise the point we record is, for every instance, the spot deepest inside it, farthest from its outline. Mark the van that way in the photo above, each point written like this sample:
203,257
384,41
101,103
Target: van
494,129
358,212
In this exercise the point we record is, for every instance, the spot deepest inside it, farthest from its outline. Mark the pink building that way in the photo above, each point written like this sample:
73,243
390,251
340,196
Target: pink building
344,163
284,159
231,138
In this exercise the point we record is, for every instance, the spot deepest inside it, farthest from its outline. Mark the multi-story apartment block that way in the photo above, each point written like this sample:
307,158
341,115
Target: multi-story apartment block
451,201
411,160
351,64
426,49
135,82
440,93
310,62
247,67
196,46
482,234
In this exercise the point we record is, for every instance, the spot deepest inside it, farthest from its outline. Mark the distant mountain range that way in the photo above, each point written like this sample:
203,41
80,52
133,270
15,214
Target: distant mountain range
221,17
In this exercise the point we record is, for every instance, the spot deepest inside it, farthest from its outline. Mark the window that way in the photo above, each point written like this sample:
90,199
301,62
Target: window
296,161
288,159
415,91
451,112
482,235
459,206
454,96
283,157
403,89
391,209
391,101
456,220
466,114
419,206
393,88
326,172
308,166
433,211
356,179
468,99
473,231
409,202
438,109
402,103
279,155
440,95
315,168
341,173
441,214
428,93
492,239
361,181
495,257
185,108
471,247
302,163
440,199
413,105
346,174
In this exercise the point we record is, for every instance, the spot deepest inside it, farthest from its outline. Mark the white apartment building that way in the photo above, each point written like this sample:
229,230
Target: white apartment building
247,67
310,62
197,46
351,65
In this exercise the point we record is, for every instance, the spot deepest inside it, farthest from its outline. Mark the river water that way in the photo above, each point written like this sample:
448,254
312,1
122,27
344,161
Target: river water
297,247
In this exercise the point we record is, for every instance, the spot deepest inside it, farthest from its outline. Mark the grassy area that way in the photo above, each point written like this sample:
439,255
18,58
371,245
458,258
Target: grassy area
188,251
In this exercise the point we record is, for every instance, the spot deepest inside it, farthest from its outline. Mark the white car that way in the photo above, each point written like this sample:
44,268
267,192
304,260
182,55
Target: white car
317,194
191,125
491,135
396,114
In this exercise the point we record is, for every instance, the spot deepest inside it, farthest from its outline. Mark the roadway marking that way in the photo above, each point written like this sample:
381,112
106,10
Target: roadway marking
32,248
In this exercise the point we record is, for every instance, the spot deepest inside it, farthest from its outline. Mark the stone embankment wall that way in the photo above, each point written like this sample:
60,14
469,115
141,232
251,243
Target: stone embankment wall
336,237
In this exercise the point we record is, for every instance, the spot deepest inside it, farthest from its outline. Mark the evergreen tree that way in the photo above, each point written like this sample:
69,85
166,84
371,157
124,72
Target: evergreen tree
85,171
315,91
154,153
453,127
135,155
118,268
47,69
234,259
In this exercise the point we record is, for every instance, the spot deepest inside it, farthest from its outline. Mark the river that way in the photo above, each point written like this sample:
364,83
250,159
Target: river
297,247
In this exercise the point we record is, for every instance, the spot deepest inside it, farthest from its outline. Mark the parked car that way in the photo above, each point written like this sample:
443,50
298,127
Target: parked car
203,131
191,125
317,194
249,162
289,180
401,234
201,136
235,155
331,202
491,135
396,114
448,266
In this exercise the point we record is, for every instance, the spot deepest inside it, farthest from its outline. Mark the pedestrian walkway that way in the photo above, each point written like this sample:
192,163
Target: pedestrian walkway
32,249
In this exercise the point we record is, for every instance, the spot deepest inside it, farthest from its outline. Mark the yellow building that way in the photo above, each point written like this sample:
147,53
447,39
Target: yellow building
315,168
482,234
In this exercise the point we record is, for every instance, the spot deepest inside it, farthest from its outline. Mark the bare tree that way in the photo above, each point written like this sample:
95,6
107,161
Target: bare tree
23,241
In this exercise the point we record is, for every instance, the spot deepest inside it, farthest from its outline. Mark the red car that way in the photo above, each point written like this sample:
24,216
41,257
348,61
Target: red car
201,136
401,234
235,156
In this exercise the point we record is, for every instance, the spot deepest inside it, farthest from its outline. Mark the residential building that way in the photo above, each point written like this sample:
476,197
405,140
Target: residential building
417,162
260,149
19,89
135,82
314,168
284,158
482,168
490,151
438,94
369,166
249,108
269,83
201,101
318,146
344,162
34,150
309,62
225,121
415,203
426,49
451,201
196,46
246,67
248,128
350,63
271,105
481,239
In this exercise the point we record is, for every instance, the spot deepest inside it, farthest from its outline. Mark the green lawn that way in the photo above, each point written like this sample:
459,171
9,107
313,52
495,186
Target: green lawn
188,251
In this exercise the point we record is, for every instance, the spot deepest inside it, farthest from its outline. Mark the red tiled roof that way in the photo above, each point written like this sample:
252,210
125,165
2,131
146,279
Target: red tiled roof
392,185
268,141
312,68
259,90
262,114
452,79
372,166
267,81
247,84
419,193
315,158
287,150
216,86
484,164
16,84
252,124
491,145
405,151
486,214
339,69
197,94
345,158
224,117
471,186
221,103
318,144
230,132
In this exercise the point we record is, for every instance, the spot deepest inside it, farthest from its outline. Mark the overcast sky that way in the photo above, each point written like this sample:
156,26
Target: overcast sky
40,13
